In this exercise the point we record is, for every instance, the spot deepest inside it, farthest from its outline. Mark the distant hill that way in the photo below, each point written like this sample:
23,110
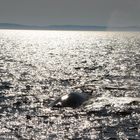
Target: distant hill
77,27
94,28
15,26
67,27
51,27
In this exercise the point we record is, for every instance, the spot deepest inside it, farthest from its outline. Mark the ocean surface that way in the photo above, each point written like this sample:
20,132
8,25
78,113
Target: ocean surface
36,67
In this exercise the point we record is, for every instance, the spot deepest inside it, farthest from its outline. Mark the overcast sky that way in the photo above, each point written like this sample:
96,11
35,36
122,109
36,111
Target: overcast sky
71,12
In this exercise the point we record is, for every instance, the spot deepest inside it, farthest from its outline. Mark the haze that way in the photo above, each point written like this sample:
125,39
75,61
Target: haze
71,12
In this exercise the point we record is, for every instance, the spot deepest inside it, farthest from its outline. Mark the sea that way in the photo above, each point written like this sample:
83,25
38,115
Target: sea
38,66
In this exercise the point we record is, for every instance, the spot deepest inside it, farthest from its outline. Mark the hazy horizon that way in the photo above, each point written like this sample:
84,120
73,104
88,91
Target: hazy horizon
121,13
68,27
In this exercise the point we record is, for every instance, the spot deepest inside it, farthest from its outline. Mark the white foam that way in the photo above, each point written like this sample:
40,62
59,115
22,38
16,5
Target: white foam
64,97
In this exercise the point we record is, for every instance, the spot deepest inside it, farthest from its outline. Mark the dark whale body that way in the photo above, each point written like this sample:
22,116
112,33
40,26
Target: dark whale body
73,100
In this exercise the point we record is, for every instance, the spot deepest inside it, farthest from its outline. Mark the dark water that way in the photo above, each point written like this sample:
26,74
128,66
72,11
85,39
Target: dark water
38,66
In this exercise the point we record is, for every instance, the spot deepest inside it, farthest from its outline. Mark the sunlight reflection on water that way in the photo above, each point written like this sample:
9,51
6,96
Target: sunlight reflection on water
36,67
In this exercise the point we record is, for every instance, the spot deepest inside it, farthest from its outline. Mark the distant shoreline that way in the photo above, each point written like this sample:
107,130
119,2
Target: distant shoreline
11,26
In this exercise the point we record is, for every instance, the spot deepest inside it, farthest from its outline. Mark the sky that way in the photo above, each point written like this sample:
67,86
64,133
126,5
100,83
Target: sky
71,12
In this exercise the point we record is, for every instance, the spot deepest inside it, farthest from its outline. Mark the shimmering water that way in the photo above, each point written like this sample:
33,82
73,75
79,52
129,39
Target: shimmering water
38,66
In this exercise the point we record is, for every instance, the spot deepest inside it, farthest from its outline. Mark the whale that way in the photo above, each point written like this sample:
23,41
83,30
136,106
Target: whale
73,100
